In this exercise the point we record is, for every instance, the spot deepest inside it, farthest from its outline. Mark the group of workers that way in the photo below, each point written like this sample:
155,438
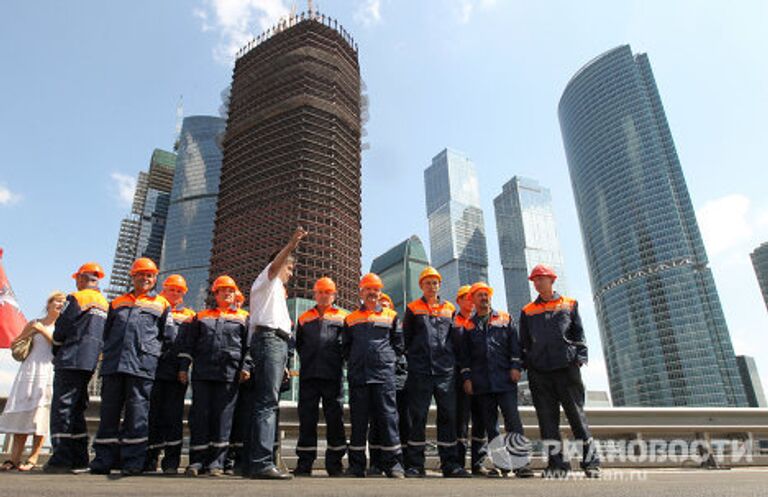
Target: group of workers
469,358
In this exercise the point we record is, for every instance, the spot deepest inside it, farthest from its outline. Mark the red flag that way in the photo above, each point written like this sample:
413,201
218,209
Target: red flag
12,321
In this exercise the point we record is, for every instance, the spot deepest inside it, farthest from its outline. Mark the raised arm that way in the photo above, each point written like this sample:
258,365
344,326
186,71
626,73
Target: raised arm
282,256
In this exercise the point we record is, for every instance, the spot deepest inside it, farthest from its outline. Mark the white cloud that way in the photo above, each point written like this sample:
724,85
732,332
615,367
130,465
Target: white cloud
369,13
7,197
125,187
466,8
724,223
237,22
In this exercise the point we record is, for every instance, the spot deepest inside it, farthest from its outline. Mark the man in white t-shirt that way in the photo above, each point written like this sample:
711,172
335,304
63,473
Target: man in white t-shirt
270,332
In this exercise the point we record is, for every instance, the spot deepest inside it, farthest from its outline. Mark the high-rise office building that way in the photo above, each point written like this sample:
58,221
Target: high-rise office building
750,379
664,335
189,231
456,227
525,223
292,157
399,269
760,263
141,233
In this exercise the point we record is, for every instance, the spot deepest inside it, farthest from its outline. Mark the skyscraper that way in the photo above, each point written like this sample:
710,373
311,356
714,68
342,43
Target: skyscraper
525,223
292,157
664,335
189,231
399,269
141,233
753,387
760,263
456,226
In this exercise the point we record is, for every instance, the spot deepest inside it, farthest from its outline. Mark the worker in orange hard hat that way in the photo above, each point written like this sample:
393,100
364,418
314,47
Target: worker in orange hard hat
467,406
553,351
491,369
133,340
432,353
371,342
217,345
76,340
166,404
386,301
318,342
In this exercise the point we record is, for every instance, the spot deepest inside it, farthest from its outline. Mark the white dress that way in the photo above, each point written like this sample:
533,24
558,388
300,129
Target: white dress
28,408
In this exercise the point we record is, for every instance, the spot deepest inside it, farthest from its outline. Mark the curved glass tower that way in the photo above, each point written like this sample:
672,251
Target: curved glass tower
189,230
399,269
664,334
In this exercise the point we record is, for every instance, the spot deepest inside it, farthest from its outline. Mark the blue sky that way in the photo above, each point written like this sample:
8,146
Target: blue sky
90,88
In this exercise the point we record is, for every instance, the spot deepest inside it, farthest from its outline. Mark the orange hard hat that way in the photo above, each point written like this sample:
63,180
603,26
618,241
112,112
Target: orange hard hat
386,297
176,280
239,297
428,272
143,264
371,280
542,270
90,267
223,281
480,286
324,284
463,290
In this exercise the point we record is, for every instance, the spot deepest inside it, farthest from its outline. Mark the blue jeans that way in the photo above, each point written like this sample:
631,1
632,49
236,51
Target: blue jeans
270,356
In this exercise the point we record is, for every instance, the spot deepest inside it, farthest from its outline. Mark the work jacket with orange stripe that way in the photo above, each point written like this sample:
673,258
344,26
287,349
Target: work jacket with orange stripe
371,341
429,337
491,350
134,334
551,334
217,346
318,342
79,331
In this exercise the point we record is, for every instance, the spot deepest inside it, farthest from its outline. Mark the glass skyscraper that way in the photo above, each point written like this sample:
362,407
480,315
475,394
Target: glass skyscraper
525,223
760,263
141,233
456,225
664,335
399,269
753,387
189,233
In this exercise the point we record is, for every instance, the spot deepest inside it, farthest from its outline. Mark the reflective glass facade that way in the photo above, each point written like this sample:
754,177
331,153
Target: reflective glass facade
753,387
760,263
525,223
189,232
142,232
399,269
664,335
456,226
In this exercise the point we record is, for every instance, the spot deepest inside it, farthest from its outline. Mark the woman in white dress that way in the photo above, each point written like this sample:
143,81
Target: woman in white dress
27,411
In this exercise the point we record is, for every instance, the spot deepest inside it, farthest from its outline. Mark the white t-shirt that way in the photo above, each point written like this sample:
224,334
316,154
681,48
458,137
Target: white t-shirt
268,306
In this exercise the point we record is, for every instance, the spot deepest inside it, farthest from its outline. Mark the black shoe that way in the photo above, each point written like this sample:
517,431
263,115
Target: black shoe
98,470
56,470
302,472
592,472
130,472
374,471
524,472
192,471
171,471
271,473
415,473
456,472
335,473
353,473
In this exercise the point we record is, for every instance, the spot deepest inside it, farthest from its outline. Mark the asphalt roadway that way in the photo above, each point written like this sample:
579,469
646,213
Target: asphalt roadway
743,482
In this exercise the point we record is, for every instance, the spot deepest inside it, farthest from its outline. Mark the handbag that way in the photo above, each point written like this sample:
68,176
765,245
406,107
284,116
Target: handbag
20,349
